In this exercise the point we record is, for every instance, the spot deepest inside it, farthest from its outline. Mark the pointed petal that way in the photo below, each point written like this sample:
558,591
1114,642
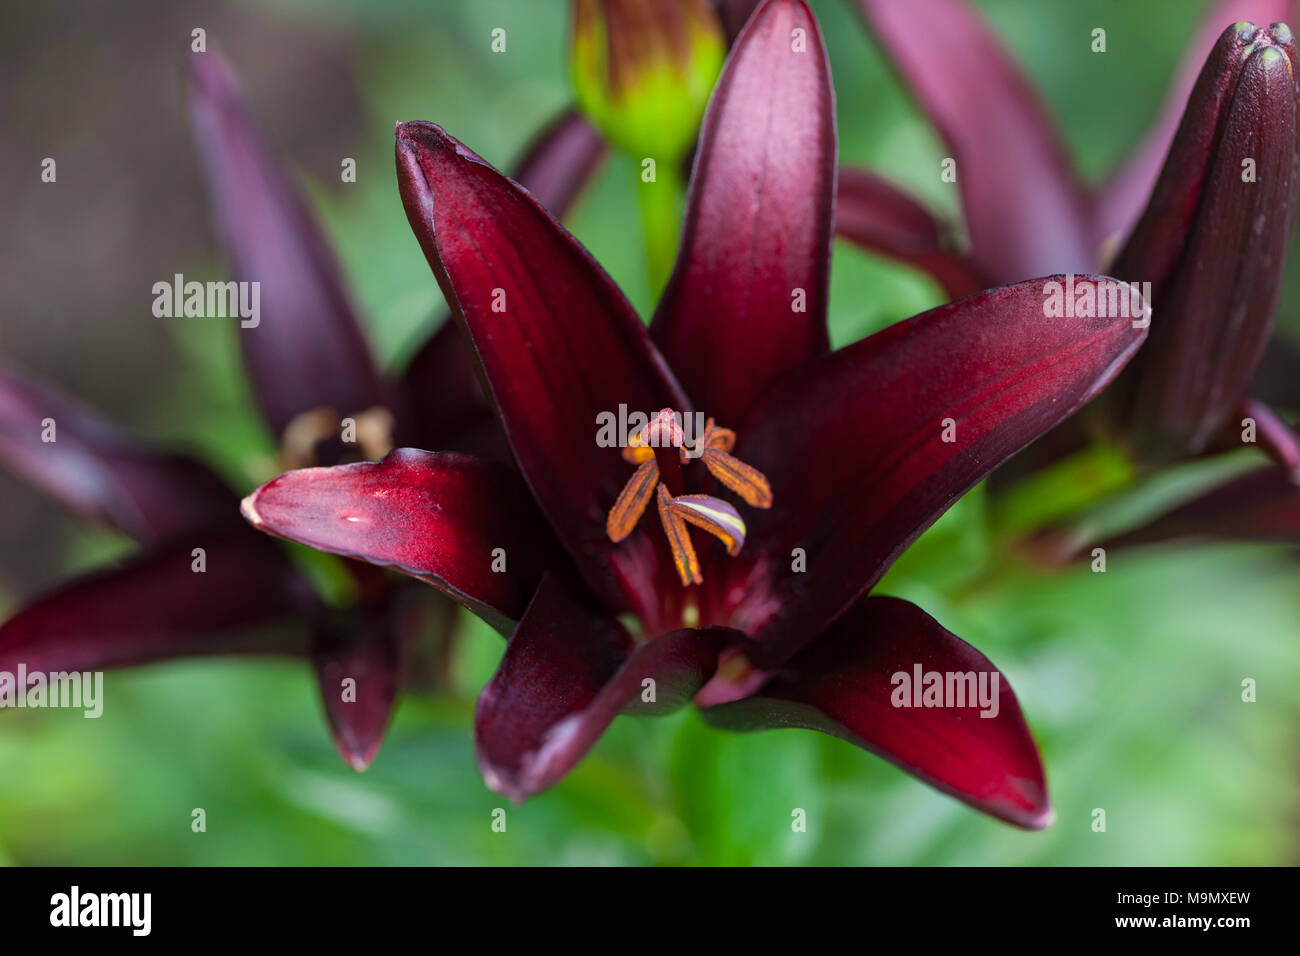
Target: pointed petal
439,517
882,218
448,409
846,684
1026,213
157,607
1213,243
100,472
307,350
565,676
358,661
747,299
1121,201
559,344
865,448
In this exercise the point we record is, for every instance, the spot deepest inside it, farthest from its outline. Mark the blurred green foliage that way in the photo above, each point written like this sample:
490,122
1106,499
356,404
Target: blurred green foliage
1131,679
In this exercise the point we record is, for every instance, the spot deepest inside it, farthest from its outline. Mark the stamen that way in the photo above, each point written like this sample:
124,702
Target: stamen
637,450
679,541
723,439
632,500
713,515
745,481
657,451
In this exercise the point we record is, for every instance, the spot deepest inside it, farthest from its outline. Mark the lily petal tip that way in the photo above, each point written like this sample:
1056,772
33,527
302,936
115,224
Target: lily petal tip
1043,819
501,783
360,762
248,508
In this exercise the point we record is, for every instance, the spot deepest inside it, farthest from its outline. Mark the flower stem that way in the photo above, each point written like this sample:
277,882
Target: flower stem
661,199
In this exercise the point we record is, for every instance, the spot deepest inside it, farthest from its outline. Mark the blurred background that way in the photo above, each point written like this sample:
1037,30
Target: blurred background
1131,679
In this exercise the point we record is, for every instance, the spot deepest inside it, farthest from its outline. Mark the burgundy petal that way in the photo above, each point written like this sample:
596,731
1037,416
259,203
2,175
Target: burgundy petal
449,411
1025,211
157,606
878,216
566,674
1212,243
865,448
358,660
307,350
747,298
1123,198
558,343
845,684
467,527
102,473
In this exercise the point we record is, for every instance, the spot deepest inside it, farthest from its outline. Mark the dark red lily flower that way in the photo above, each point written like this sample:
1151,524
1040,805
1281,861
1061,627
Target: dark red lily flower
837,459
308,365
1211,245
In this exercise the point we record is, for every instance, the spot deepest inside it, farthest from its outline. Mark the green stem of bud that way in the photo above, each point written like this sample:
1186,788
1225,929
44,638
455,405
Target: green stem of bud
662,205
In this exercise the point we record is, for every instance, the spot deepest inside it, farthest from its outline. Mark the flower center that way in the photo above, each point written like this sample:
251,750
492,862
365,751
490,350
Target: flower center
659,452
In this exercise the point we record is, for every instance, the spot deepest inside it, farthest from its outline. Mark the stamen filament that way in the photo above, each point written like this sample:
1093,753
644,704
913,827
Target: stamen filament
679,541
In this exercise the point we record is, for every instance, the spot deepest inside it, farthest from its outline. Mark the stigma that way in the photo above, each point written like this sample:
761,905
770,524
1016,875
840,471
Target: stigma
660,453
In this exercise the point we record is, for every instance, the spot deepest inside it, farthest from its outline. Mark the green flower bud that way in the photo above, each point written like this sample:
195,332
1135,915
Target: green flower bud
644,70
